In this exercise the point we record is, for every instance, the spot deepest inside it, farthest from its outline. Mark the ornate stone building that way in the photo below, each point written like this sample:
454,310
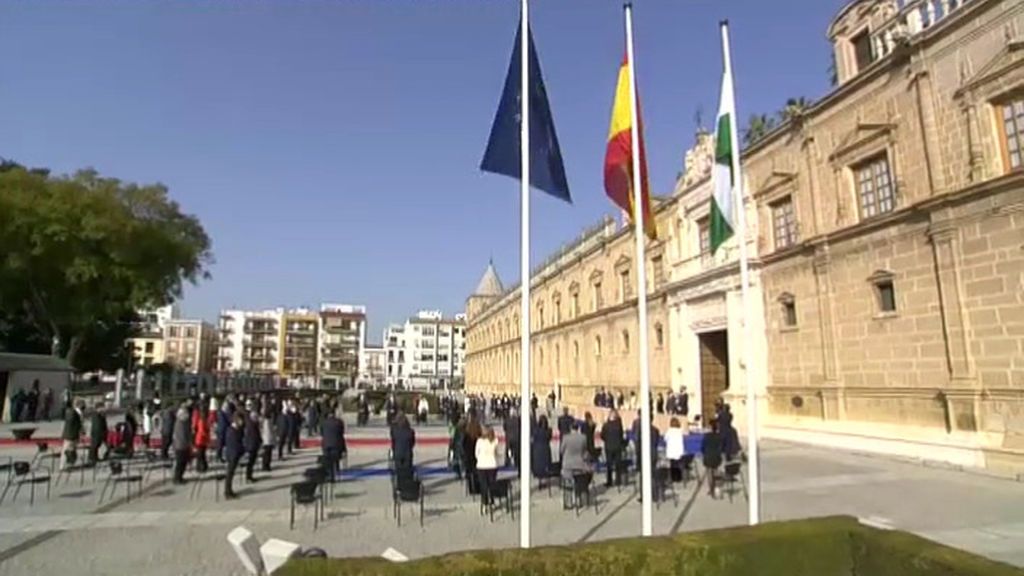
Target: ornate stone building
893,246
886,233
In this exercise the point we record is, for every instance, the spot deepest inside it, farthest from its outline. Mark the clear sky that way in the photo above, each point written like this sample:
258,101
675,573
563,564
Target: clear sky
331,148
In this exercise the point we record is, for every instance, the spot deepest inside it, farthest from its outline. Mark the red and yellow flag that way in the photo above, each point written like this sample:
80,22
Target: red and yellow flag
618,159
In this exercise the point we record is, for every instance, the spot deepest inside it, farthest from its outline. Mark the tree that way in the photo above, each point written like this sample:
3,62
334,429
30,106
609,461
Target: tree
758,126
794,108
82,253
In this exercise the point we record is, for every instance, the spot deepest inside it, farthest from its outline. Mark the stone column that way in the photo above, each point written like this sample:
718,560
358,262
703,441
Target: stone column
826,328
946,248
977,158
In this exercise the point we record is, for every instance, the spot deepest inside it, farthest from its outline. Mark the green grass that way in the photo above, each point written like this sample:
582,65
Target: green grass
834,546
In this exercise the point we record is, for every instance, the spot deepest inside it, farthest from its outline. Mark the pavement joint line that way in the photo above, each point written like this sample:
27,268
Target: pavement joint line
593,530
48,535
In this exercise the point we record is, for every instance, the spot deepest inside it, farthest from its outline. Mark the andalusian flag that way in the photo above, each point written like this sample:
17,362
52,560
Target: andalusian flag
723,212
618,159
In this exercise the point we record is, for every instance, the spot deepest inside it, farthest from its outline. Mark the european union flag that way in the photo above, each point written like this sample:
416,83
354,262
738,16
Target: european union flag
502,156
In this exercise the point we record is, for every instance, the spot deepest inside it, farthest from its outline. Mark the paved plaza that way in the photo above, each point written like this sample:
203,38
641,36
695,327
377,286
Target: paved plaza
170,531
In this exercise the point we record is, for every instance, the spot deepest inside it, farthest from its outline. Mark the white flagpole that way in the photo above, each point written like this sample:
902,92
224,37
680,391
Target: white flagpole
647,467
524,275
753,470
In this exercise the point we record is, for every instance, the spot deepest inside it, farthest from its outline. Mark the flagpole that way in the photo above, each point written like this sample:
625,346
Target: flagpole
524,275
753,462
647,467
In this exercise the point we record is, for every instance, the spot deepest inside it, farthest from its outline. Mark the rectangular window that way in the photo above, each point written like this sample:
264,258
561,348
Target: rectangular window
558,311
704,235
874,187
598,297
789,314
625,289
575,304
190,332
149,347
173,331
886,296
783,223
862,50
658,272
1011,121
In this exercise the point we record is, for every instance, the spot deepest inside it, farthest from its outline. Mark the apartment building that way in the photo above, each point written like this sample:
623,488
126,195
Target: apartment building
427,352
148,344
342,336
190,345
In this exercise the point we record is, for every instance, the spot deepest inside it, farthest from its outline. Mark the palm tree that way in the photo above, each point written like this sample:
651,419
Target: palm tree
794,108
758,126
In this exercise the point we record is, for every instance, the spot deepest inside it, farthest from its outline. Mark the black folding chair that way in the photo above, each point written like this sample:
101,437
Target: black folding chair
26,473
729,477
686,467
575,489
406,487
554,472
307,493
500,489
76,459
121,474
662,485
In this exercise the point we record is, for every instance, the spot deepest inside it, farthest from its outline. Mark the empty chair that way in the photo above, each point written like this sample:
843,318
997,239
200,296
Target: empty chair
662,485
501,489
686,465
308,494
554,472
26,473
119,474
729,477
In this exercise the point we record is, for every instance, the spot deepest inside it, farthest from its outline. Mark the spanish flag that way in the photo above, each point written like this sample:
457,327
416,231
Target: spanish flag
618,159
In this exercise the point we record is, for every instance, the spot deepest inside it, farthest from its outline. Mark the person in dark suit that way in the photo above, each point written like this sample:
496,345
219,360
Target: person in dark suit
589,430
251,440
72,432
283,433
403,441
232,453
294,428
333,445
222,425
166,431
652,448
513,438
614,443
565,424
540,452
711,449
98,431
182,442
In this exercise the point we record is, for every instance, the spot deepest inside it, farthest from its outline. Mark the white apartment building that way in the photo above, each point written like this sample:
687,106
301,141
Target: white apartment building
372,366
248,341
427,352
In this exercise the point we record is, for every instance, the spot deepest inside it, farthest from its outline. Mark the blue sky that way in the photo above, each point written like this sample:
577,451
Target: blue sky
331,149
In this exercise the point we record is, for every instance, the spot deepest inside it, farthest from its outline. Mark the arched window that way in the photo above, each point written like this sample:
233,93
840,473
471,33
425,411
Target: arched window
625,341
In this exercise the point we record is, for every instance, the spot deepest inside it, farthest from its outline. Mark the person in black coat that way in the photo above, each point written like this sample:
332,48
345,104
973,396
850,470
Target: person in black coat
98,431
72,432
333,445
403,441
232,452
251,440
711,449
565,424
589,430
614,444
282,425
166,431
131,428
294,428
540,451
513,438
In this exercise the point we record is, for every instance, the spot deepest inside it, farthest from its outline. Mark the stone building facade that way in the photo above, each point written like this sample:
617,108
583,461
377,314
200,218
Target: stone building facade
886,234
892,252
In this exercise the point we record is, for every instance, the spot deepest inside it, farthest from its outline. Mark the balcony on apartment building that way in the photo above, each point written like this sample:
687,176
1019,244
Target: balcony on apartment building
261,327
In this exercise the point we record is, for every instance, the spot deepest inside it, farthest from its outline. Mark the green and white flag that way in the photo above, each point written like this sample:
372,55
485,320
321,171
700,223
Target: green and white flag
723,213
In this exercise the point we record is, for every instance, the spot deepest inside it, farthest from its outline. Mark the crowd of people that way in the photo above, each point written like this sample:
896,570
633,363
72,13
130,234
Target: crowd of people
32,405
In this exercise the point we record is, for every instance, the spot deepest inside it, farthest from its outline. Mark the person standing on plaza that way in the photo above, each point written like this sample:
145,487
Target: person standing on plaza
711,450
333,445
312,419
403,442
268,437
573,453
131,429
660,404
473,431
675,448
232,453
181,442
166,423
71,434
97,433
589,430
283,427
566,423
224,418
33,401
147,423
513,439
251,440
201,433
423,409
540,451
47,413
613,437
486,451
296,426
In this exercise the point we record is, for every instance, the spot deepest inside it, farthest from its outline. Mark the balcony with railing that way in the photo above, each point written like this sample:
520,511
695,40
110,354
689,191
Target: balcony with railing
911,18
261,327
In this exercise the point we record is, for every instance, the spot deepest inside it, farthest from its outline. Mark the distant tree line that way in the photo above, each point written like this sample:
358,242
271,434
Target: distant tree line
80,254
760,125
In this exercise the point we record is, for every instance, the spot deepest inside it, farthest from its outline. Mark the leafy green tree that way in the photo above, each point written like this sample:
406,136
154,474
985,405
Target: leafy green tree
794,108
81,253
758,126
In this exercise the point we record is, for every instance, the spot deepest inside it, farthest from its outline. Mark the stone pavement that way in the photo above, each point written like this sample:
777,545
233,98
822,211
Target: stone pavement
167,532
